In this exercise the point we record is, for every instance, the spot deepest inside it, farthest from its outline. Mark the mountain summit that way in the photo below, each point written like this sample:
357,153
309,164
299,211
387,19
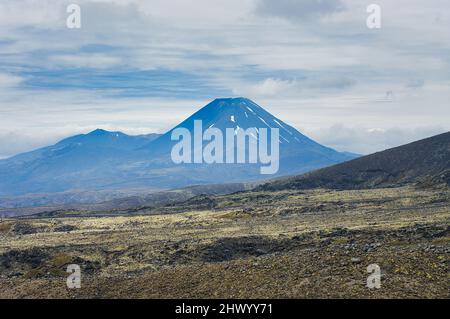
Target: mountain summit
298,152
103,160
241,113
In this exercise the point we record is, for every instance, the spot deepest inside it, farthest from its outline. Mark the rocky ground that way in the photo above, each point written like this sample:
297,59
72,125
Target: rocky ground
286,244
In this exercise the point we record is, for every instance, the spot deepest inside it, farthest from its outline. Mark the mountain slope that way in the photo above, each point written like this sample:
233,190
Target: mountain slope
423,161
241,114
52,168
105,160
298,153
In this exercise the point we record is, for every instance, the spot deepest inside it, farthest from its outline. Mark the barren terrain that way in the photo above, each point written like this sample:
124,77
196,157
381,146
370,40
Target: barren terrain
281,244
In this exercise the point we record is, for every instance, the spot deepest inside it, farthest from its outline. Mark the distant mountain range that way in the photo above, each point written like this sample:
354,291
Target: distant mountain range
425,163
103,160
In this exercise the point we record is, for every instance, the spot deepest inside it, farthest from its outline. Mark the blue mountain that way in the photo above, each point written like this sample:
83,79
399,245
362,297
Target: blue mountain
73,163
103,160
298,152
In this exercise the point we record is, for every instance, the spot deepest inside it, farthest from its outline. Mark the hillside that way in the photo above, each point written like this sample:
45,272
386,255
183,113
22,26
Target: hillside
425,161
78,162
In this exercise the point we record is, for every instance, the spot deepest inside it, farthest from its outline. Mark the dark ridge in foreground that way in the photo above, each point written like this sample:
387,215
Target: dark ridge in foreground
426,162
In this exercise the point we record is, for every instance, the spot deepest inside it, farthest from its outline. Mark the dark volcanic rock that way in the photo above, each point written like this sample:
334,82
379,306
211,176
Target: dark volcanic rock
24,229
33,257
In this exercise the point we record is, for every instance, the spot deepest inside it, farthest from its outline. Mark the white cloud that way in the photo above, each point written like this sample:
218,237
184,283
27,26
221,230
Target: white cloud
368,140
295,10
31,13
312,73
95,61
268,88
9,80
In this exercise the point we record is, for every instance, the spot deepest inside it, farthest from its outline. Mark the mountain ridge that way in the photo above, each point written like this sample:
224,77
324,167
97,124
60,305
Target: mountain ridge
425,162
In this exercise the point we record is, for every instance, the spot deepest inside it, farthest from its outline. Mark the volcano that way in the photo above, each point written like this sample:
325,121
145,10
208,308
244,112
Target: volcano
242,113
298,153
105,160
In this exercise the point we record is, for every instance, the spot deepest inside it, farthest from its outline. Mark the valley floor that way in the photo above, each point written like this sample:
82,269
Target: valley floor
287,244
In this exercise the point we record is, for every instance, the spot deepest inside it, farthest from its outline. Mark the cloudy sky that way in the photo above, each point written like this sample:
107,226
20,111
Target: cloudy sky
142,66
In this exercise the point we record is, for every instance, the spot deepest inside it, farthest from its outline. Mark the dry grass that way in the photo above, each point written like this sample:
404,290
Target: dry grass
187,254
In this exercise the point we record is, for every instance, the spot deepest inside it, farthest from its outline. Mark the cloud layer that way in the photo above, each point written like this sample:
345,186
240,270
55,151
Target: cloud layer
141,66
299,10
